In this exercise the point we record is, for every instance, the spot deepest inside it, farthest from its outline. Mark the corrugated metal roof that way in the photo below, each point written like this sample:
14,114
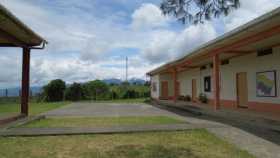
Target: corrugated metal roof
15,33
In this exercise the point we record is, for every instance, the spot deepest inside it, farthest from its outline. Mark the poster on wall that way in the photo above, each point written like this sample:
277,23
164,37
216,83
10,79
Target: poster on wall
207,84
266,84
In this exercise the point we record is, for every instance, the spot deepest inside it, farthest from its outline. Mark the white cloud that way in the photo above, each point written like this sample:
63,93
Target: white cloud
248,11
168,45
148,16
81,42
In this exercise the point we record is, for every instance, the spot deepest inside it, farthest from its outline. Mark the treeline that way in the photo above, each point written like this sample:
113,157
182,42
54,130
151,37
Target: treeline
57,90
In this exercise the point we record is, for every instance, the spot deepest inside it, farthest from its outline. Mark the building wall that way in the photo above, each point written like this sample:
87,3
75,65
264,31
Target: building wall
251,64
169,79
155,93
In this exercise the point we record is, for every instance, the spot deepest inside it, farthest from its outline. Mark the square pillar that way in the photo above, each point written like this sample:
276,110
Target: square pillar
216,81
25,81
175,85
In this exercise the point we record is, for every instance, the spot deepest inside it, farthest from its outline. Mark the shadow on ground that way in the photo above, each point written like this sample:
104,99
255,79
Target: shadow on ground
265,133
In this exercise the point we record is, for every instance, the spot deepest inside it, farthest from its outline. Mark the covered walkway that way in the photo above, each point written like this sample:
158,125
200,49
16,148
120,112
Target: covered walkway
14,33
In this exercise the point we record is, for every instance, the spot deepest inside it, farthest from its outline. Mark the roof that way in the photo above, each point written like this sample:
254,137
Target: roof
266,21
14,33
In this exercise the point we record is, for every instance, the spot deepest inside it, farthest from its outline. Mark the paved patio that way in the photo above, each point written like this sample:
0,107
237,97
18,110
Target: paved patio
107,110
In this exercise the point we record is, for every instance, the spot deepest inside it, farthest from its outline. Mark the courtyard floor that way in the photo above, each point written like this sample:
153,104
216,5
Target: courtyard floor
126,119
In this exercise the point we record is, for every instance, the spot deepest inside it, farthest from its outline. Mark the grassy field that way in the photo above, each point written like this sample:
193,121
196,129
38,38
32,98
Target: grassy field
190,144
35,108
102,121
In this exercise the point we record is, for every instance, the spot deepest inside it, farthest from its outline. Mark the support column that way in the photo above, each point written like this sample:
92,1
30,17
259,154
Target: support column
216,80
25,81
175,85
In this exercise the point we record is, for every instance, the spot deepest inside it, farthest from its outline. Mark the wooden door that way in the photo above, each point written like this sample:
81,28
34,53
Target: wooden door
242,90
164,90
194,90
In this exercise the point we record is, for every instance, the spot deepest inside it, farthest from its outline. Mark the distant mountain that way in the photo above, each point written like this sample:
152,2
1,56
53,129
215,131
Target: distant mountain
112,81
12,92
118,81
136,81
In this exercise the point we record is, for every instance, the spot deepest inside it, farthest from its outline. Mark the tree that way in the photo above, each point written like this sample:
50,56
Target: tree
97,89
54,91
197,11
74,92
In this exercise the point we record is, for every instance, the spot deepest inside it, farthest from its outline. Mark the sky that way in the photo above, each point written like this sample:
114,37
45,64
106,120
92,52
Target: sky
89,39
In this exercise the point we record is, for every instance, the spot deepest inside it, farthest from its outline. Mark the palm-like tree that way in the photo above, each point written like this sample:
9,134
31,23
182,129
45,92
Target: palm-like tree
197,11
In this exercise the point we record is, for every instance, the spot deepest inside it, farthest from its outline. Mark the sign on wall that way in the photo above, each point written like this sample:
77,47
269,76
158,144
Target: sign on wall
207,84
266,84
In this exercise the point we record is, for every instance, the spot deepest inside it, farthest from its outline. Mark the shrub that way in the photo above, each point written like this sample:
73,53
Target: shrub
187,98
203,98
181,98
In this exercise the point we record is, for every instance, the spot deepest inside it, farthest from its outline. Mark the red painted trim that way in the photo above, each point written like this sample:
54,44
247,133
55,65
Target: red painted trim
264,107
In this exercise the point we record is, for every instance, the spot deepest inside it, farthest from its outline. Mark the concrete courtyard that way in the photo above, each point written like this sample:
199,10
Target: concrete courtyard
255,145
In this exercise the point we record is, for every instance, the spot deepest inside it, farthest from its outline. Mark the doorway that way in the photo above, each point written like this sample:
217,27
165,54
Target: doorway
242,90
164,90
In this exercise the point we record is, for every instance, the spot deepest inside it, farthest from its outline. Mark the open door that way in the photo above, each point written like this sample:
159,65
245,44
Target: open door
194,90
164,90
242,90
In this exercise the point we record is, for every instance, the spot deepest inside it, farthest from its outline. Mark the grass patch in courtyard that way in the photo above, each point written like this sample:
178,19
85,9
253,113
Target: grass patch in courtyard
190,144
101,121
35,108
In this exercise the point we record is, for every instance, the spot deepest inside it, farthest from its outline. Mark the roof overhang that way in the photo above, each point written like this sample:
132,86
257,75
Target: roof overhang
14,33
251,33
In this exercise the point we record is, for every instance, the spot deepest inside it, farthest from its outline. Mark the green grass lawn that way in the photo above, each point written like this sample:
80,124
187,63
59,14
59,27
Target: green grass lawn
189,144
34,108
102,121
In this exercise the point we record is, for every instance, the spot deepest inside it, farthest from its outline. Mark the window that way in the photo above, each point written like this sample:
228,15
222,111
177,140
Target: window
225,62
207,84
154,86
202,67
264,52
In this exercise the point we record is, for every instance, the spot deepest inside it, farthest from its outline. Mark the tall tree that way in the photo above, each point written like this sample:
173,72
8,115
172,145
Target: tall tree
54,91
197,11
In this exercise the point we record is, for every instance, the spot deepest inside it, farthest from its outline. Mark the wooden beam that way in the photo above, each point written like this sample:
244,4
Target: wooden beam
25,81
175,85
248,40
238,52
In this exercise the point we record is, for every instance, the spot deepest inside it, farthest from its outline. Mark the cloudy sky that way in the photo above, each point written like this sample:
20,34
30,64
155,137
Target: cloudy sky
89,39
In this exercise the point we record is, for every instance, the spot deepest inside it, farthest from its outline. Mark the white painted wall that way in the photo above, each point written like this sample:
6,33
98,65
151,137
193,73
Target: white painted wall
155,80
249,63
